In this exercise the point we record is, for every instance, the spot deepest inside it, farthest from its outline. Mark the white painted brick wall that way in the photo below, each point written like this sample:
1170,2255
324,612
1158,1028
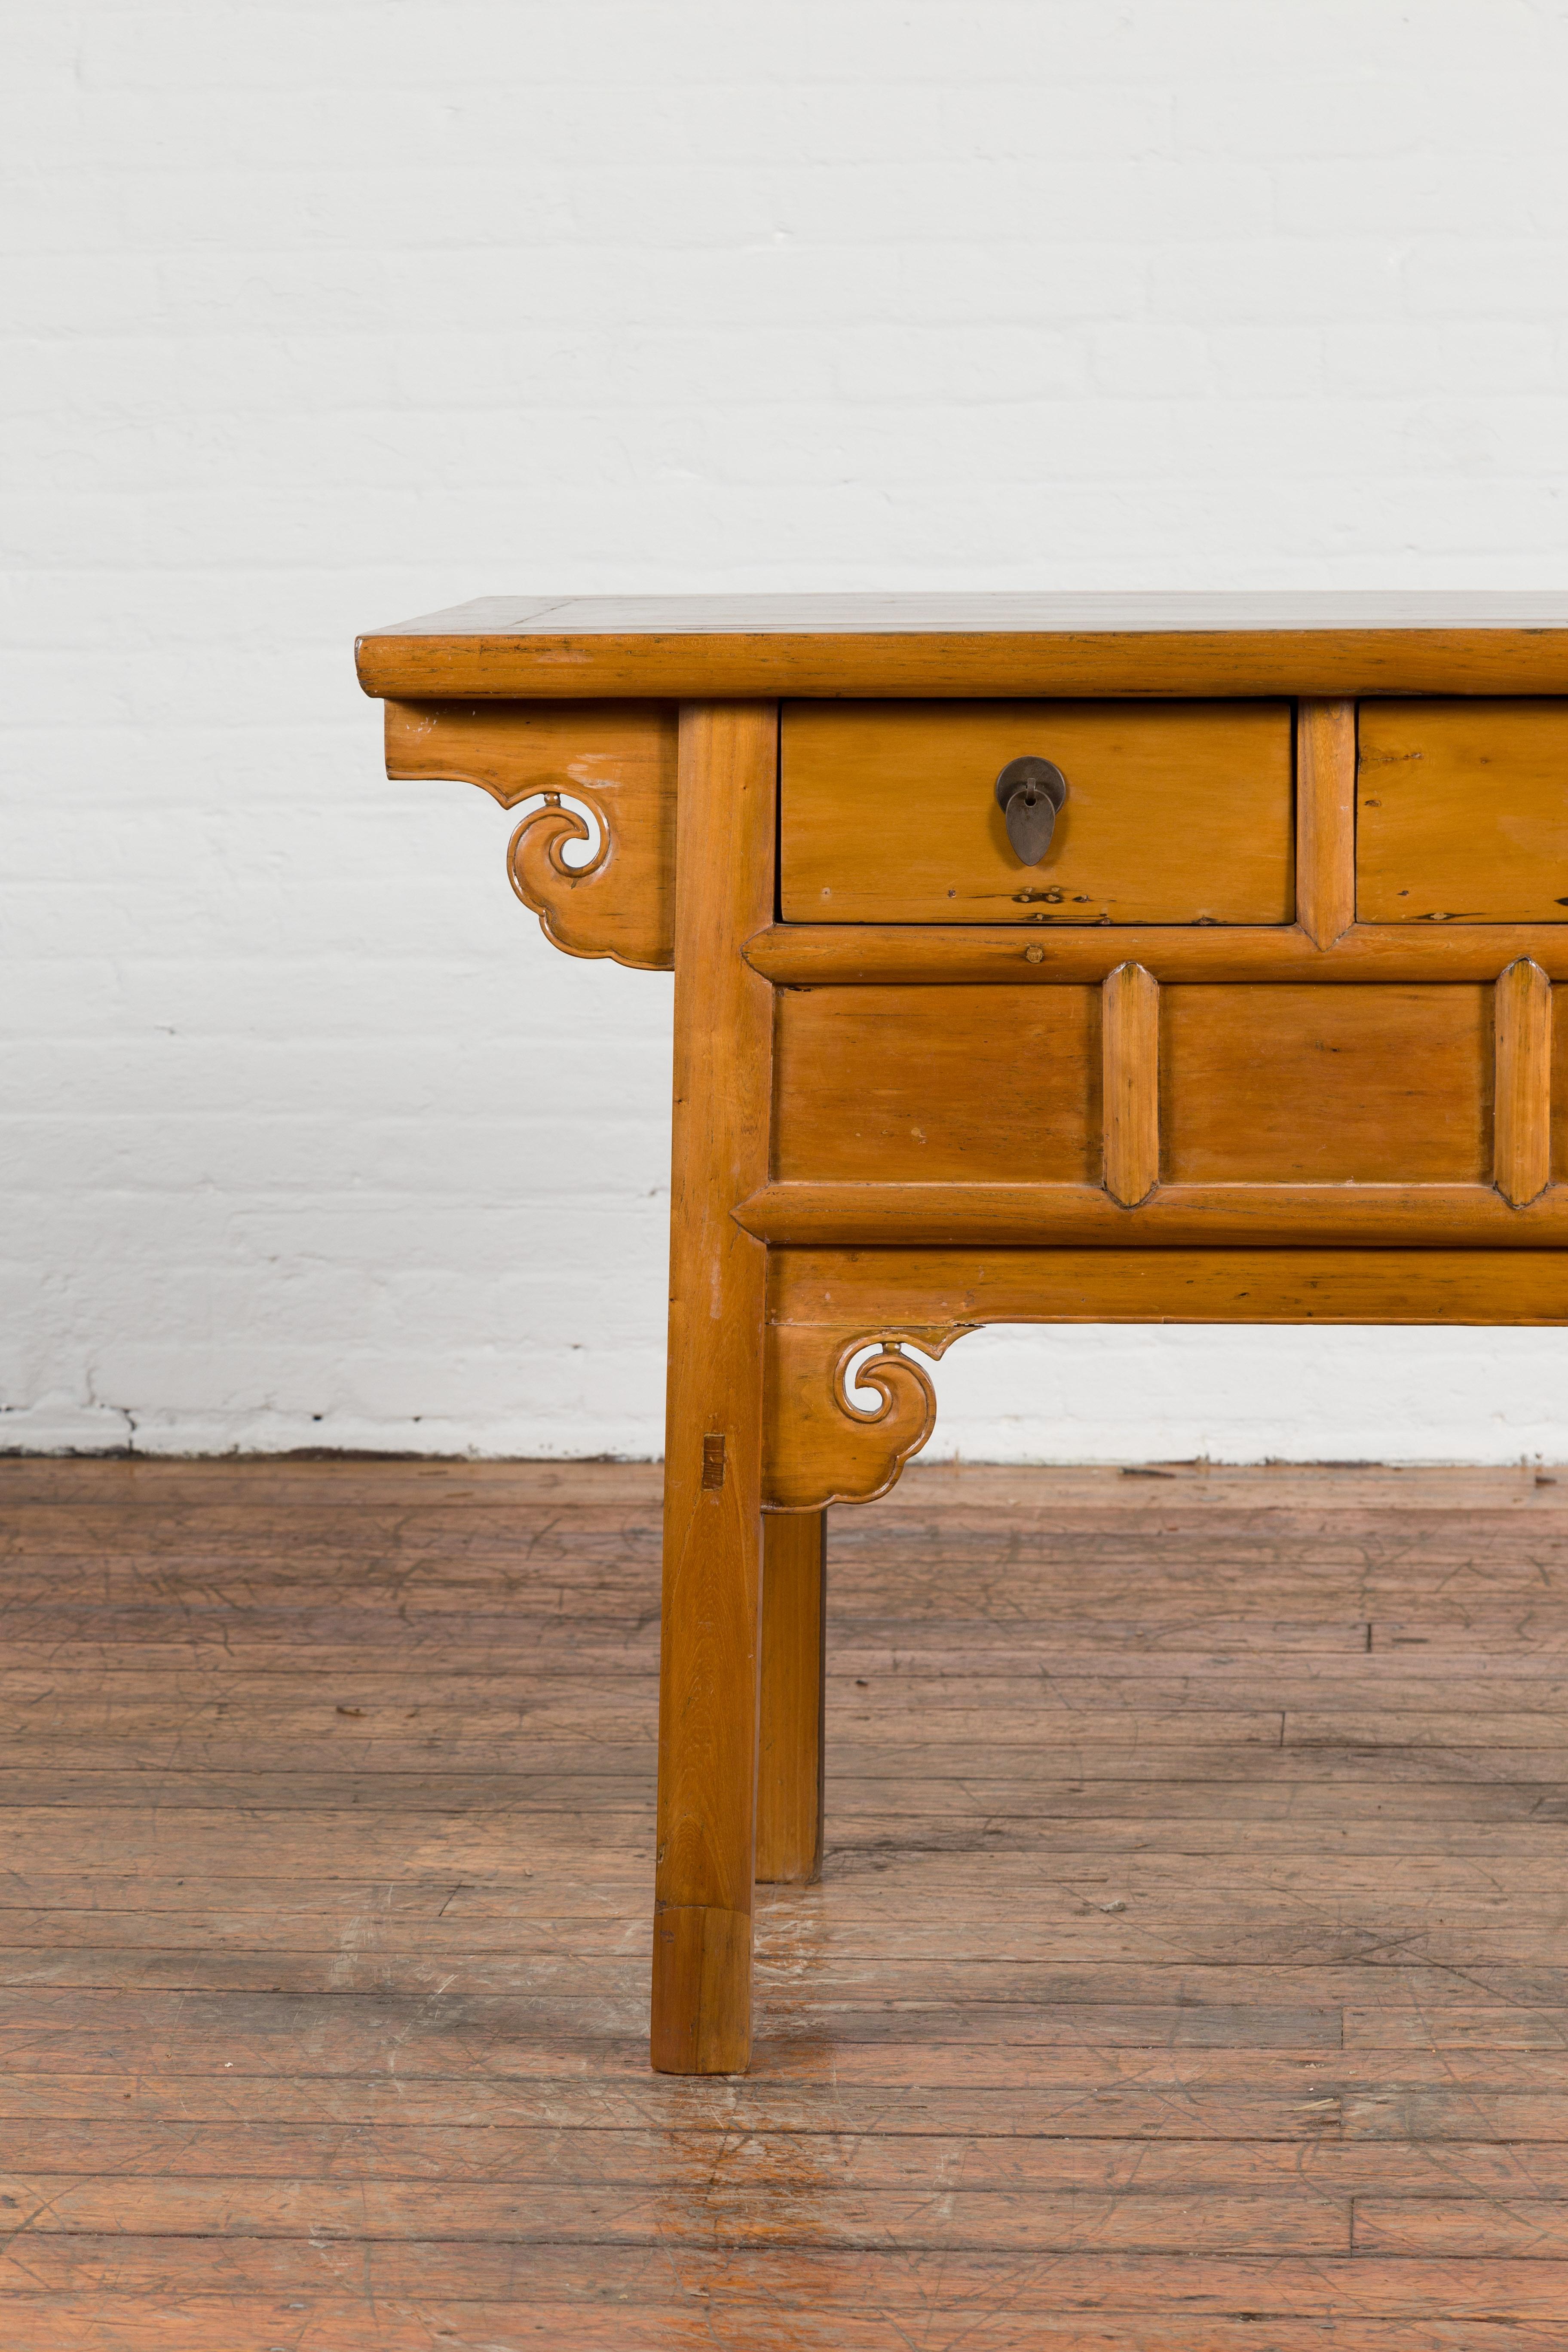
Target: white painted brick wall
317,316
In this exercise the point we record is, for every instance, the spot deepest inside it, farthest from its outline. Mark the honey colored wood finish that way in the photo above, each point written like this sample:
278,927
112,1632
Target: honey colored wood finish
1342,1086
1558,1084
1267,1035
1325,820
712,1508
1243,1216
1288,1086
1463,813
938,648
1522,1152
617,760
1188,1943
844,1410
877,955
830,1309
795,1663
1131,1027
929,1292
1175,812
955,1083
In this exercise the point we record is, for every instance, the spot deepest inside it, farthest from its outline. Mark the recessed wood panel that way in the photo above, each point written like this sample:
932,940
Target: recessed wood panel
1462,812
937,1085
1559,1085
1175,812
1330,1086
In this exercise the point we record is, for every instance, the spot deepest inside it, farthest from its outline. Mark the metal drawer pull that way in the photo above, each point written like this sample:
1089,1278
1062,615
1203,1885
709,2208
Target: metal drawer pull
1029,793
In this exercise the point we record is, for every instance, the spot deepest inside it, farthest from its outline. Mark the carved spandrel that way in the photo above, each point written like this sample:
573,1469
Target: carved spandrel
616,760
820,1445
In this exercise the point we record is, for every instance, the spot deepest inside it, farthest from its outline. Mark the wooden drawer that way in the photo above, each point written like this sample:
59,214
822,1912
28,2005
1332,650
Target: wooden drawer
1175,812
1462,812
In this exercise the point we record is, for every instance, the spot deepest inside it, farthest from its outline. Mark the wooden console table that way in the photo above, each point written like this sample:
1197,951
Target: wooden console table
1037,960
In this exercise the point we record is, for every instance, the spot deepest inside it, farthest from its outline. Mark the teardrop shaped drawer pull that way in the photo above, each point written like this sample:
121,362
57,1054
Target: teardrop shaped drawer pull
1029,793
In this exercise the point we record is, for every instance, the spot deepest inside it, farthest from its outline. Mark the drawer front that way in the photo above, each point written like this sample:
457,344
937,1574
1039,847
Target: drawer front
1462,812
1175,812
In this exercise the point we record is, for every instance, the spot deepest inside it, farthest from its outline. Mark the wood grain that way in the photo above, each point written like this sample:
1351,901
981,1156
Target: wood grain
879,955
1176,812
618,759
713,1509
1186,1903
938,647
1294,1088
1325,819
1521,1150
1130,1031
793,1690
844,1413
1462,814
1343,1086
830,1307
944,1291
946,1084
1190,1916
1177,1216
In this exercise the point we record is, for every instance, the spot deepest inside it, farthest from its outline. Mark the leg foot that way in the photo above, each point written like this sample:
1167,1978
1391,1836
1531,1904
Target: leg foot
701,1990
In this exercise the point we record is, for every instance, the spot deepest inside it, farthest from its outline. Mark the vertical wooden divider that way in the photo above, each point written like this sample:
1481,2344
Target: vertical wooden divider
1521,1102
1325,820
1129,1030
789,1758
728,766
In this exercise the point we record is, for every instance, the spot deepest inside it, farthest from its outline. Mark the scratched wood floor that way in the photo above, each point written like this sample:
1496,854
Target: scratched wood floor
1192,1968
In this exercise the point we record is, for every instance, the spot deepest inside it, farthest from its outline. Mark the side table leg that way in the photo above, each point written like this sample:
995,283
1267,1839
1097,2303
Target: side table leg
713,1429
789,1762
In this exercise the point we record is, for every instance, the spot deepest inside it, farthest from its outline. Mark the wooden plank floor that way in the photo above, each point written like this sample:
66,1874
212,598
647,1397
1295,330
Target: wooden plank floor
1191,1971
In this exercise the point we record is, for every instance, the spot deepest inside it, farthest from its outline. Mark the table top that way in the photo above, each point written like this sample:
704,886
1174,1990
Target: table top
1024,643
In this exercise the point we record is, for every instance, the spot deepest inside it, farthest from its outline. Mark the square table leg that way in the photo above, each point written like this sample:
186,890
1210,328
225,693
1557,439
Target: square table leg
789,1762
709,1636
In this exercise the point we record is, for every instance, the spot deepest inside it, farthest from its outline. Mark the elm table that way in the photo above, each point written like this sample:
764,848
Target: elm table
1037,959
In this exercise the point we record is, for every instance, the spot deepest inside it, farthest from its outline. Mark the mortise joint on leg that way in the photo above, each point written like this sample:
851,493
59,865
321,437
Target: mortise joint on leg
713,1462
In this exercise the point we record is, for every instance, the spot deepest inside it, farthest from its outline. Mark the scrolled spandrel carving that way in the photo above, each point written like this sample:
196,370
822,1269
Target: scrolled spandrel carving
603,774
543,877
823,1444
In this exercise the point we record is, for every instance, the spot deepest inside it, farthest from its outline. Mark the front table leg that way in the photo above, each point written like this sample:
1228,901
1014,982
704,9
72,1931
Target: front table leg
789,1763
713,1430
